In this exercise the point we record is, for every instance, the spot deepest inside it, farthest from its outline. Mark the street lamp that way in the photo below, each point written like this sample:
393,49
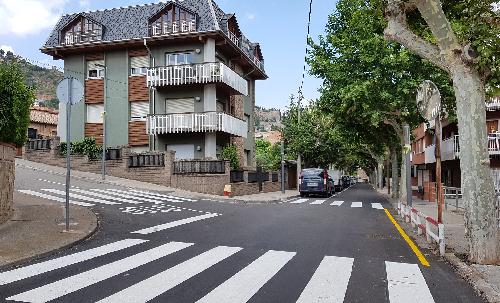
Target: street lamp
103,167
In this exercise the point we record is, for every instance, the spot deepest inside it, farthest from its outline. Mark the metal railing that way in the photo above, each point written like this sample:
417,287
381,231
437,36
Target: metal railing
38,144
146,160
237,176
200,167
198,73
176,27
244,45
453,197
196,122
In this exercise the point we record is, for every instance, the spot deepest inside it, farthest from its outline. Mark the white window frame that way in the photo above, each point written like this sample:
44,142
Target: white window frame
142,117
91,111
99,70
139,70
176,61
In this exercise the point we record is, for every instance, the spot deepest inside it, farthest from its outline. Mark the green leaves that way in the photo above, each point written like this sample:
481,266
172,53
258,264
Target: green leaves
230,153
15,102
267,155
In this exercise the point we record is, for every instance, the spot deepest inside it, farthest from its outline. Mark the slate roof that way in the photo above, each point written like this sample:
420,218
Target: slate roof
132,22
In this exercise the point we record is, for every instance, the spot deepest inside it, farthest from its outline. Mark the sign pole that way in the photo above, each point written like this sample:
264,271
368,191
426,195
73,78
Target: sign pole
282,166
68,150
438,170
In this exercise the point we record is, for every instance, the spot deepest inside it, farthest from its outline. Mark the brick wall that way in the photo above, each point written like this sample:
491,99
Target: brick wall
94,91
138,89
245,188
137,135
7,173
94,130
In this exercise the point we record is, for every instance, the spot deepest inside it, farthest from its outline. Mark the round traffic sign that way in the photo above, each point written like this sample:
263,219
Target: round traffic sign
70,86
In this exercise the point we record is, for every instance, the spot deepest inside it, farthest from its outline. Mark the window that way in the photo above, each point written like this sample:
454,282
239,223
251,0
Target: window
82,30
95,69
173,20
139,110
179,58
179,106
139,65
94,113
248,120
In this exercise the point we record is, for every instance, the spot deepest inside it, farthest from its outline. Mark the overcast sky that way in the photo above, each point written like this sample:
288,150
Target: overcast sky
280,26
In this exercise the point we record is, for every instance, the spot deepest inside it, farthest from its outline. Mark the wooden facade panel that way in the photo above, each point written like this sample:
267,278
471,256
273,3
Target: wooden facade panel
137,52
94,56
419,132
138,89
94,91
94,130
137,135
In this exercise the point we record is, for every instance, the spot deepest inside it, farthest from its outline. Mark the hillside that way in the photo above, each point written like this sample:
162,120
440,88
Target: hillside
267,119
43,80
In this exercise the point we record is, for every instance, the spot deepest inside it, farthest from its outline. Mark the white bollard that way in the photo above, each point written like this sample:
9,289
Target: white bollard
427,229
419,223
441,239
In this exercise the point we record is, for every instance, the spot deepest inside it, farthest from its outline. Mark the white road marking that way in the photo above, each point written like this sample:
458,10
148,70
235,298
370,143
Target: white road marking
337,203
317,202
173,224
329,282
90,193
127,196
71,284
299,201
357,204
50,265
405,283
162,195
377,206
60,192
54,198
156,285
135,194
247,282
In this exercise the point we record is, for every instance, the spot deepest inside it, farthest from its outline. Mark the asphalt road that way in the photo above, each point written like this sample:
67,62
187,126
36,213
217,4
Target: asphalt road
151,247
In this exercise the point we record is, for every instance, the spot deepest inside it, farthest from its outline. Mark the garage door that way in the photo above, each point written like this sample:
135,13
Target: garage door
182,151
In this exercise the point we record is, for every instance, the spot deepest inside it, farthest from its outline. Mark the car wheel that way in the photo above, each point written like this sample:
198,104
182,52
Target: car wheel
302,195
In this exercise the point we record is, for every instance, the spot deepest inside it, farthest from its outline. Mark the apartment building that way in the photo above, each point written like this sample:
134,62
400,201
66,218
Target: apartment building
175,76
424,160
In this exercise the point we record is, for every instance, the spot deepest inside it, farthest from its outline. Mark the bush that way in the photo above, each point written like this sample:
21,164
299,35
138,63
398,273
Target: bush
15,101
230,153
86,147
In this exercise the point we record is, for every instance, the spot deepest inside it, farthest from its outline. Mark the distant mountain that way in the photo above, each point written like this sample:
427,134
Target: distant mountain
267,119
43,80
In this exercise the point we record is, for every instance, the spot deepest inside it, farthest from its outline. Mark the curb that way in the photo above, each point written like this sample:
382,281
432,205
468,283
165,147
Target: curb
56,250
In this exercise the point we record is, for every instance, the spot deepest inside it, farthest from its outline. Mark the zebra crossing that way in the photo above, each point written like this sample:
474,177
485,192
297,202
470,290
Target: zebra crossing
328,283
338,203
131,201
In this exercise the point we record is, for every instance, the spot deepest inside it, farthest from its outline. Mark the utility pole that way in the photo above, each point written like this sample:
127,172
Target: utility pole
299,158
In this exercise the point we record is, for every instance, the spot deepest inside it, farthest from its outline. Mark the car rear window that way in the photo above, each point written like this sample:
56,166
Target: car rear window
312,172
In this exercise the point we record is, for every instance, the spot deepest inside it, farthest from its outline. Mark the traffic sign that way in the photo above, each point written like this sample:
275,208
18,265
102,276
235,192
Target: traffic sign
67,95
429,100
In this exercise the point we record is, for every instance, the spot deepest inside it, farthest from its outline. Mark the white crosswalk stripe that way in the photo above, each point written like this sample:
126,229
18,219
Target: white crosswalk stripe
102,196
317,202
299,201
126,196
54,198
43,267
81,197
136,194
243,285
173,224
162,282
357,204
337,203
163,196
329,282
377,206
405,283
85,279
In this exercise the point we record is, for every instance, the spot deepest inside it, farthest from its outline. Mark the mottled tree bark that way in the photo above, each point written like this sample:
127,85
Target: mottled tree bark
395,174
477,183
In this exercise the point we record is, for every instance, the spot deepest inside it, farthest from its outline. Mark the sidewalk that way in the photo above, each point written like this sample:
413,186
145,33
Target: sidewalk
36,229
484,278
262,197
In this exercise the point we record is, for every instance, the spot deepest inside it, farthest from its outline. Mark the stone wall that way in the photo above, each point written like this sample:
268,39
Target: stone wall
245,188
7,173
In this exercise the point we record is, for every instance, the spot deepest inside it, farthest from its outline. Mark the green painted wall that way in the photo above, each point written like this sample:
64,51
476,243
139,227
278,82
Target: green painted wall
117,104
197,139
74,66
160,51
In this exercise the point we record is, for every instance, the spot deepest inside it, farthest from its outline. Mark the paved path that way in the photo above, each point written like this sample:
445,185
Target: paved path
154,246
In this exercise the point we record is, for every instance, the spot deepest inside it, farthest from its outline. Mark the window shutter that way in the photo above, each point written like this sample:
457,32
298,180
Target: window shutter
138,62
220,107
179,106
139,110
93,64
94,112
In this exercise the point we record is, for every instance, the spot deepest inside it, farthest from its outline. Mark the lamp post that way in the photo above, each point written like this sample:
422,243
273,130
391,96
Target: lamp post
103,167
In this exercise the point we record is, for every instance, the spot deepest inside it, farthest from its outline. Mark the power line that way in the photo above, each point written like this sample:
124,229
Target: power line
307,51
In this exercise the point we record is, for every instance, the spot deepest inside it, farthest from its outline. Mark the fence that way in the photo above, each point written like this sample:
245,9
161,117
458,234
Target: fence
237,176
412,215
453,196
146,160
200,167
38,144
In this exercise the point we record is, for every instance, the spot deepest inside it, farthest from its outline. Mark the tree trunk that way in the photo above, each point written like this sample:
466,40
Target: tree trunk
402,183
477,183
380,173
395,174
388,175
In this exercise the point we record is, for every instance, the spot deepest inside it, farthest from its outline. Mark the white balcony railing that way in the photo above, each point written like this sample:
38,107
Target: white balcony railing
176,27
196,73
196,123
493,104
450,148
234,38
430,154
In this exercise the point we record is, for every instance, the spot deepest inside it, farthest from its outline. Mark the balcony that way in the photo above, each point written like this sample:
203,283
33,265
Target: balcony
202,73
196,123
169,28
244,45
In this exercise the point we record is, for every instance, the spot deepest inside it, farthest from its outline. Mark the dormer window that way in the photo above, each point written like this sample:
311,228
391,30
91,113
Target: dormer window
173,20
81,30
234,31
